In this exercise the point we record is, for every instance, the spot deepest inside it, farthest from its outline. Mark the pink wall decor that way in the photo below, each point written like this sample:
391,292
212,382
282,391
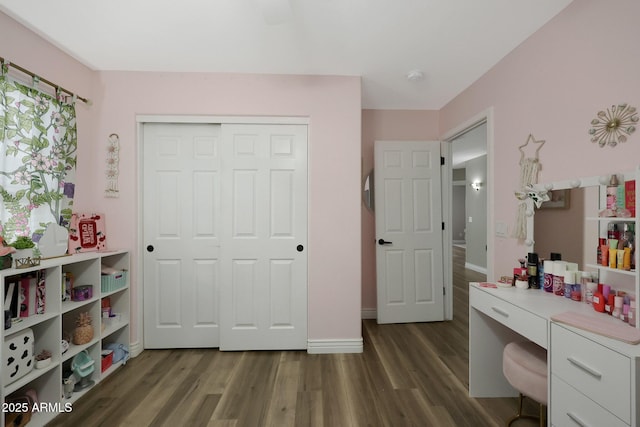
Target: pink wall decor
87,233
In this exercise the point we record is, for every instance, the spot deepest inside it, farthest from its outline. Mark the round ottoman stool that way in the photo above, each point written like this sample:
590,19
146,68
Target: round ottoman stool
524,365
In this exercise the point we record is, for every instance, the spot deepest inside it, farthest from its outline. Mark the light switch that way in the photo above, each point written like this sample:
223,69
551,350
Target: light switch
470,219
501,229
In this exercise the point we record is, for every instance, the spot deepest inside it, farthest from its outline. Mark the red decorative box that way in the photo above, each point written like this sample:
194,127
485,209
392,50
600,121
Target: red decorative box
107,359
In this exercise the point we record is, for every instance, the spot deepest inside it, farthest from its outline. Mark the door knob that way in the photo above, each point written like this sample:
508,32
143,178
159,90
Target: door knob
150,248
300,248
384,242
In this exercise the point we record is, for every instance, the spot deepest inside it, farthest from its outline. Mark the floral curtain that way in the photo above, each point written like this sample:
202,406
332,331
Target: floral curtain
38,144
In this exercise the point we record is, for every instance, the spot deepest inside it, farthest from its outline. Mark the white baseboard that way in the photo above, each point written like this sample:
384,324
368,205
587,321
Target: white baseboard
477,268
135,348
369,313
335,346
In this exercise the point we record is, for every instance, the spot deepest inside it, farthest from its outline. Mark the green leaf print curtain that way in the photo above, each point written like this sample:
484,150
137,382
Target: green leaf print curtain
38,144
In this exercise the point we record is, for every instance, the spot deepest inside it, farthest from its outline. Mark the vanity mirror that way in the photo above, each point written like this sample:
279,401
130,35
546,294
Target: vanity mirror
574,231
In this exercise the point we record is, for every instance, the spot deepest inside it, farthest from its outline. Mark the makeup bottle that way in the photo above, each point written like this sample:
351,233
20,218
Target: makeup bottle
632,313
598,302
592,287
616,310
559,268
548,275
532,270
602,242
569,282
612,194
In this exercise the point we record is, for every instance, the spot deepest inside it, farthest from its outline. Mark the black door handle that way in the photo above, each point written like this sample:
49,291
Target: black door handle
300,248
150,248
384,242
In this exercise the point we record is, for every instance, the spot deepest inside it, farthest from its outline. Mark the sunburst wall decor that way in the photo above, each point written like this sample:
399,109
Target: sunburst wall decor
613,125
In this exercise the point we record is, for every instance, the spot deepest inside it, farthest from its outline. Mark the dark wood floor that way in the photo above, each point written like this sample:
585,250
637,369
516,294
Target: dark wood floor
408,375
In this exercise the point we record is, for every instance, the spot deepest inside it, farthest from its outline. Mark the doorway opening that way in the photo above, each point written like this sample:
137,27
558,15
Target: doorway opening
470,206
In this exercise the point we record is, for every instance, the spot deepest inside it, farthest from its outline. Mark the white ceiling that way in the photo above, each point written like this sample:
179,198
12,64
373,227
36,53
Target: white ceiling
453,42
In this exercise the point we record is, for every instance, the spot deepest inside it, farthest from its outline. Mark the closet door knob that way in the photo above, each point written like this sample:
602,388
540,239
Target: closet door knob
384,242
150,248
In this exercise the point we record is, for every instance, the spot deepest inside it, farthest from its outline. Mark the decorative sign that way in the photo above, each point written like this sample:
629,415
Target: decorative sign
87,233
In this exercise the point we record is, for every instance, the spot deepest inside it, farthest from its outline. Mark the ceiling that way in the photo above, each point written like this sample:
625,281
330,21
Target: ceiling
453,42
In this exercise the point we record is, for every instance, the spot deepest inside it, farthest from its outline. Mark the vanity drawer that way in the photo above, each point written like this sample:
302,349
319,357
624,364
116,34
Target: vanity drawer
525,323
571,408
598,372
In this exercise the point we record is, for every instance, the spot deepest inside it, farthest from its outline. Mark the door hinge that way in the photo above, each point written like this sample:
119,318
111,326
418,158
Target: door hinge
441,161
444,290
443,225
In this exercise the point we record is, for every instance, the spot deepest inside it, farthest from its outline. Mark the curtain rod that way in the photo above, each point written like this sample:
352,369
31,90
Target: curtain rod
50,83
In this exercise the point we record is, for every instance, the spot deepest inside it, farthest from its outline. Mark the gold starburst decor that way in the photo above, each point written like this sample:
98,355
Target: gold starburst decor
613,125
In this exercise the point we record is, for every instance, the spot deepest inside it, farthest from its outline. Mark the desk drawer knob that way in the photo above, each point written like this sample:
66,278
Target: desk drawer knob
500,311
584,367
576,419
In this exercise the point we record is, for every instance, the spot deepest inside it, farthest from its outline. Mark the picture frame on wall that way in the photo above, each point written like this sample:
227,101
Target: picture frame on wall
558,199
87,233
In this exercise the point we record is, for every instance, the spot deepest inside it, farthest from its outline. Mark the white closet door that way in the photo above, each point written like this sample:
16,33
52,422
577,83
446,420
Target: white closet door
264,237
181,210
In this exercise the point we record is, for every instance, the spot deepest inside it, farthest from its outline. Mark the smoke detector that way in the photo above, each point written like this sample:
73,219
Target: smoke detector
415,75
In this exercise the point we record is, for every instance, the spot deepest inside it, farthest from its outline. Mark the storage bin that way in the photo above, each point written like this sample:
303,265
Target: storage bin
18,356
113,282
107,359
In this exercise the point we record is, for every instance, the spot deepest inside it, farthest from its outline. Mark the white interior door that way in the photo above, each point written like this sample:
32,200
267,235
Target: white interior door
409,252
264,235
181,202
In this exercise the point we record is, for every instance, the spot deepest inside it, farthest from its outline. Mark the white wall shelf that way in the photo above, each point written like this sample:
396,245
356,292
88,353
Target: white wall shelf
59,319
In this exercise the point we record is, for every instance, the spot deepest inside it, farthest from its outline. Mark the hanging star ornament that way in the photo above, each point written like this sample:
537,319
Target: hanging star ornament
538,196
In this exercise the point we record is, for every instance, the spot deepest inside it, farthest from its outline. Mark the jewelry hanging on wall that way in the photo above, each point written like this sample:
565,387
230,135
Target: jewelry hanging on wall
113,153
613,125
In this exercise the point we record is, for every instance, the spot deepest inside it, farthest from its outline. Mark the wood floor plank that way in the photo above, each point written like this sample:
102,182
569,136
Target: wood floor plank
282,407
309,409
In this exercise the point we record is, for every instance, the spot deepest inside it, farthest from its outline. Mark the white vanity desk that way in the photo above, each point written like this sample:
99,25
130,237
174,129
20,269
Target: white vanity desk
593,380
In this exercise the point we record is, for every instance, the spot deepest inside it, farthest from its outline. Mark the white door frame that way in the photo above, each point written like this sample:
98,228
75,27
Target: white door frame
447,137
138,346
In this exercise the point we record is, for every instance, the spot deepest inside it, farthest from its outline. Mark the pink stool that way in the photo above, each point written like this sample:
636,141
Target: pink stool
524,365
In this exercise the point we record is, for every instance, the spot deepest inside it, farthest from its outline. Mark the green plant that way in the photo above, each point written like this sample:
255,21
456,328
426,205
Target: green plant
23,242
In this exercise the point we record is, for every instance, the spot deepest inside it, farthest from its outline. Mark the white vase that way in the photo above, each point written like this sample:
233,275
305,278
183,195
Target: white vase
54,241
22,253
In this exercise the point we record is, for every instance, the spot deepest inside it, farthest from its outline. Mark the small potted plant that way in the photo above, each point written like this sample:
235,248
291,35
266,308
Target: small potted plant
43,359
24,248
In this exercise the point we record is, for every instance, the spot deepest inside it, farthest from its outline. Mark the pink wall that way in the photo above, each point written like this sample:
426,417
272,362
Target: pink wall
386,125
333,107
552,86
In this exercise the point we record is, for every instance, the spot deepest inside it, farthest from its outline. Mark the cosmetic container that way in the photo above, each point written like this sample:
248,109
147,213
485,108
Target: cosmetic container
548,275
612,194
592,287
616,310
569,282
598,302
559,268
532,270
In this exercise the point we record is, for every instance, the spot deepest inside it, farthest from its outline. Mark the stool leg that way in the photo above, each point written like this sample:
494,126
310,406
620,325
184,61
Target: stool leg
533,417
543,415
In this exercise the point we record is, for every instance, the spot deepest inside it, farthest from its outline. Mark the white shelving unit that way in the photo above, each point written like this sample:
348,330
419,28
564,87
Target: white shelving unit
59,320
